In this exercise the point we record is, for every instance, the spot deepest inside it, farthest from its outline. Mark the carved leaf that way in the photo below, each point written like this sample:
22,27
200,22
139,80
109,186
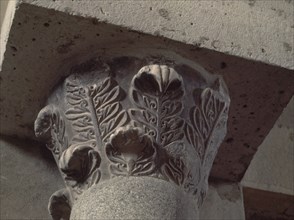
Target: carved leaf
95,113
95,108
174,169
80,163
157,91
80,113
131,152
204,119
207,118
60,205
109,113
50,126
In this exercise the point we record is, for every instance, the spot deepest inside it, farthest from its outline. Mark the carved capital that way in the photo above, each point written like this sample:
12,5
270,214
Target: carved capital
165,121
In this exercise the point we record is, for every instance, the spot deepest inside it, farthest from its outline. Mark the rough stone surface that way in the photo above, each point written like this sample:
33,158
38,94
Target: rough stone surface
276,49
7,15
272,168
36,60
3,7
128,117
223,201
257,30
266,205
28,178
135,198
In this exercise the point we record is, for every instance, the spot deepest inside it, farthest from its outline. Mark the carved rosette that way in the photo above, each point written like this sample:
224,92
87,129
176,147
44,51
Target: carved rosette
98,130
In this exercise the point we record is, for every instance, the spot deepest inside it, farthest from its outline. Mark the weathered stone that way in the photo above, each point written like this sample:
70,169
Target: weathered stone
33,65
28,163
229,164
272,168
135,198
267,205
106,120
28,82
223,201
28,178
265,35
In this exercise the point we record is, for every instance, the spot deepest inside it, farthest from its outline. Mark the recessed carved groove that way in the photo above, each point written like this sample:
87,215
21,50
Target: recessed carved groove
154,130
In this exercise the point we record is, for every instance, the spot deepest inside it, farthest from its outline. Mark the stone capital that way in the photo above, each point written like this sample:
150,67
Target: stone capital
131,126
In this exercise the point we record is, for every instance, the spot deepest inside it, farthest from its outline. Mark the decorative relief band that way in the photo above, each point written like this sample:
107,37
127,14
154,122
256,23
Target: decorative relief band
103,131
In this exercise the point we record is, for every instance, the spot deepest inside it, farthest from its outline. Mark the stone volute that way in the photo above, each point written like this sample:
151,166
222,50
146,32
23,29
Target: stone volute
134,138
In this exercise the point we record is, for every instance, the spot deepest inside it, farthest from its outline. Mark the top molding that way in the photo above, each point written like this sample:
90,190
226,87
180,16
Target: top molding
255,30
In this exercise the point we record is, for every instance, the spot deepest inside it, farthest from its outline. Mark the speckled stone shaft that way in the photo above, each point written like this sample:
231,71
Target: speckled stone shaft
135,198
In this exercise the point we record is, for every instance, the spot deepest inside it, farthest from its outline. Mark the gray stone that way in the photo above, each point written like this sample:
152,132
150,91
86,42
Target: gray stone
272,168
223,201
158,118
135,198
57,41
256,30
245,133
28,178
264,205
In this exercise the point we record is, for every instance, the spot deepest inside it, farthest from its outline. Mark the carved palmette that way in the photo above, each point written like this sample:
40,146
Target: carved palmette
156,91
96,138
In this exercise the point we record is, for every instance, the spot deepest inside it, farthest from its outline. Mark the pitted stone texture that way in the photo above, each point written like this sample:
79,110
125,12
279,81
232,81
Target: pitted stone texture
258,30
28,177
135,198
272,167
36,60
267,205
223,201
140,122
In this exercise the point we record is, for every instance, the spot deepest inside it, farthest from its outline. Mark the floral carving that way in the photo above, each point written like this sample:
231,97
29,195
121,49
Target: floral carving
157,91
131,152
60,205
50,126
207,117
80,113
80,163
95,110
175,170
95,113
204,118
109,113
150,138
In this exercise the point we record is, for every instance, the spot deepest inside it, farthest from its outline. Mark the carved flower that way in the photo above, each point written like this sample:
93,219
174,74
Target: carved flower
158,79
131,152
78,163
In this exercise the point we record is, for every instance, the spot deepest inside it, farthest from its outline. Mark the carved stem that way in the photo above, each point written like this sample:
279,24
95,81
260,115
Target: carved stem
95,120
